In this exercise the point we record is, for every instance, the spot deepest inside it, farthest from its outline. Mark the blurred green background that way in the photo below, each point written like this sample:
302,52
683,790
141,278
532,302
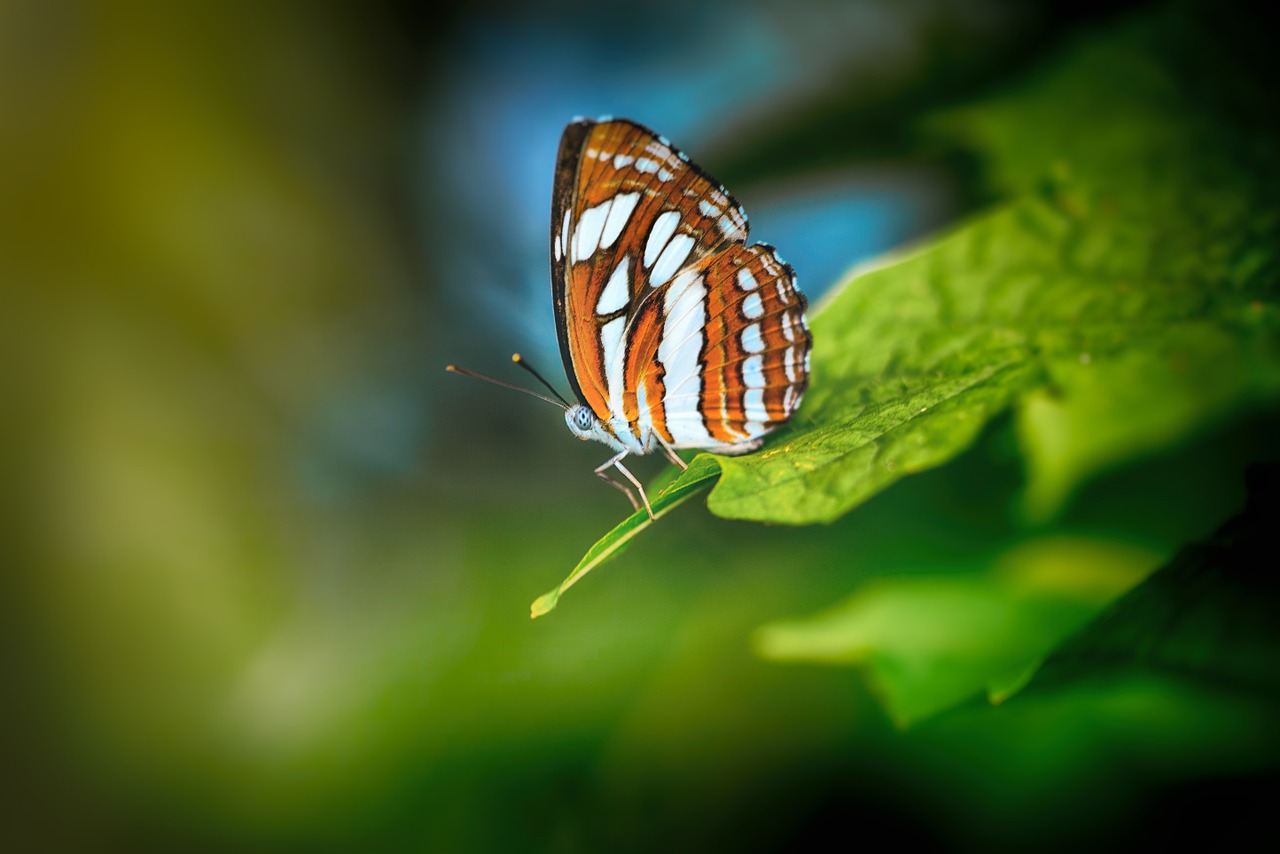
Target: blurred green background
267,568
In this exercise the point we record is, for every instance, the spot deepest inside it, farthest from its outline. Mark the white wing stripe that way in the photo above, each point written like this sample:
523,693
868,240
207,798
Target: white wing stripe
611,345
586,237
616,293
663,227
671,259
623,206
645,417
753,405
673,321
679,351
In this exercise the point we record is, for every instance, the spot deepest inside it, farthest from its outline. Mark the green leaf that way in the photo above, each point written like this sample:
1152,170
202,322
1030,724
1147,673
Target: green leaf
691,481
1131,404
1122,299
929,642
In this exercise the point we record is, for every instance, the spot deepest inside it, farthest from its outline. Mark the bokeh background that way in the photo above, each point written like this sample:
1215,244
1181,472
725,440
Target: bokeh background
268,567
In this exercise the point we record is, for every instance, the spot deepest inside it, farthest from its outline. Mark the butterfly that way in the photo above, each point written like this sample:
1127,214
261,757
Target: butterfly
674,333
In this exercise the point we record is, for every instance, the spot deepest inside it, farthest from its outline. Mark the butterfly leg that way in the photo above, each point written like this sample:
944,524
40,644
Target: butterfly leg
648,508
671,454
621,488
616,462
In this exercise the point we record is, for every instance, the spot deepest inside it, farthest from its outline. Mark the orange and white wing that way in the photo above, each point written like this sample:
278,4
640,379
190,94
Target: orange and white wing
670,326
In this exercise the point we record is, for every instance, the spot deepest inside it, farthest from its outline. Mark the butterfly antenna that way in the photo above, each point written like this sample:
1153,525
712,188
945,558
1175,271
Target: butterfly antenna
454,369
519,360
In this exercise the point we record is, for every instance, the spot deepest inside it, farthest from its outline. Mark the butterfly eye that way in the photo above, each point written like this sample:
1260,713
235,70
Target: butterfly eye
581,421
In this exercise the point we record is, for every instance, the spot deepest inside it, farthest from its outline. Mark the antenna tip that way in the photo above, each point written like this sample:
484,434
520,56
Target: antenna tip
453,369
515,357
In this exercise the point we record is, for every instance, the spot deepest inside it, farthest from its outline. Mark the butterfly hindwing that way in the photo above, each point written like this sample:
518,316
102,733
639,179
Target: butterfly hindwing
754,352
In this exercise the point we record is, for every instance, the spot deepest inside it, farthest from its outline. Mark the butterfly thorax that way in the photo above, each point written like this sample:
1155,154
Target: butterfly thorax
585,424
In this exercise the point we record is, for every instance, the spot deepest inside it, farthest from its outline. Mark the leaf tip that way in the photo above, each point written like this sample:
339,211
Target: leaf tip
544,604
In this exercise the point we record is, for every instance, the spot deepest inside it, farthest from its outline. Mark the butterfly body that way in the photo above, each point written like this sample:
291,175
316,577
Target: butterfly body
674,332
586,425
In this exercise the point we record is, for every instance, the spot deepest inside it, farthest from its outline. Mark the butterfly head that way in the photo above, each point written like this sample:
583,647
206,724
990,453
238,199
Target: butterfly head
583,422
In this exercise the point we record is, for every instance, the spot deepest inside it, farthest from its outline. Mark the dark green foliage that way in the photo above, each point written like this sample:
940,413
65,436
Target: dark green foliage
1118,302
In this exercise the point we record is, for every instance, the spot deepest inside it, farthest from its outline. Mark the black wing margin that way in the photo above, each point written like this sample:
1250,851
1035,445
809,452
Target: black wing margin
562,196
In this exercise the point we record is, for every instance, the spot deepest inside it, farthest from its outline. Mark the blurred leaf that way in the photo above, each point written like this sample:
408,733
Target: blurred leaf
690,482
1211,614
927,643
1177,680
1112,747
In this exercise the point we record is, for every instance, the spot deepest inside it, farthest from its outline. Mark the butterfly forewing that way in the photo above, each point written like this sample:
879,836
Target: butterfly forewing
669,325
628,212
